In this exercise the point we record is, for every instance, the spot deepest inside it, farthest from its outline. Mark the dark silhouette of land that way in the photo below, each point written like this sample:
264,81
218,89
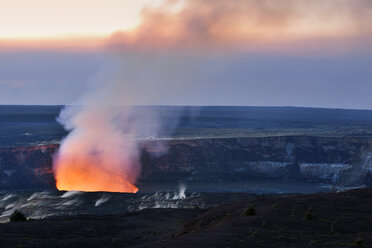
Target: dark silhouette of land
317,220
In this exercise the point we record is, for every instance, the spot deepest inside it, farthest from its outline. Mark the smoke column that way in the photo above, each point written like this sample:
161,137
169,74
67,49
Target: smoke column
106,131
96,155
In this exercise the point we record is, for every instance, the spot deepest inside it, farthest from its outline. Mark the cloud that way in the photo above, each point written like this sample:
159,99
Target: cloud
245,24
67,44
210,25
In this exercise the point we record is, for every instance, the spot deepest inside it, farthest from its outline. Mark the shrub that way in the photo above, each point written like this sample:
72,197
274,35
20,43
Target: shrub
17,216
309,216
254,234
250,210
275,205
358,242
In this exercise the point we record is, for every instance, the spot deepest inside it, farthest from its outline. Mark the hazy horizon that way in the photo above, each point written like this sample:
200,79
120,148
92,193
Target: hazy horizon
185,106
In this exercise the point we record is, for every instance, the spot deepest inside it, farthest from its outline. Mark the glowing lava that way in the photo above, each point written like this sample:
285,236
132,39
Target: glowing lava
96,155
83,174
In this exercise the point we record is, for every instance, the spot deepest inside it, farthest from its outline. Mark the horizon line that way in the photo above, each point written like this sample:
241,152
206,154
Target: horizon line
179,105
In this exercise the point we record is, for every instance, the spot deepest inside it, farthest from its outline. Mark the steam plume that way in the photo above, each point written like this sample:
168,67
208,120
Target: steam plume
102,150
96,156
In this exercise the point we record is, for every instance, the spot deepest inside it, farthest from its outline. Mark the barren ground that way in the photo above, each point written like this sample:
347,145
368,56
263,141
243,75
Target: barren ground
318,220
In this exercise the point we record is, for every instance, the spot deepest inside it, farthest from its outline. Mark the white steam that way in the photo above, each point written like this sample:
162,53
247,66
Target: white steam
102,200
106,131
181,192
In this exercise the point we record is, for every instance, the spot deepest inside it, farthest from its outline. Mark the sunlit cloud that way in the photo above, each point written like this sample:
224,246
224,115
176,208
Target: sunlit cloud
45,19
199,24
243,24
77,44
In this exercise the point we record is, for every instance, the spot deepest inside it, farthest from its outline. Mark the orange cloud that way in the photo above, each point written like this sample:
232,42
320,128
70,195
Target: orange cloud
239,24
80,44
245,24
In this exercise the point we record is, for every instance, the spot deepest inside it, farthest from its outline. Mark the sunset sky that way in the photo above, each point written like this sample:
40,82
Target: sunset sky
196,52
39,19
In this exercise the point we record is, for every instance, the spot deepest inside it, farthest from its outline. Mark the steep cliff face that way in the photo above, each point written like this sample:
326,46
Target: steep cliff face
291,157
345,161
27,167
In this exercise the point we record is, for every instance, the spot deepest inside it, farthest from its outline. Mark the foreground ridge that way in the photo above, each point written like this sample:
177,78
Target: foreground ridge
320,220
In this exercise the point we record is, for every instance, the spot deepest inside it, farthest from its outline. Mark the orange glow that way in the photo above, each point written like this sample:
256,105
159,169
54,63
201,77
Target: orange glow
96,155
79,44
83,174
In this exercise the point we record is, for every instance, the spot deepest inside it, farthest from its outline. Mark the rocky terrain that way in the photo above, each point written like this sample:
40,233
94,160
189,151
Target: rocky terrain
27,167
344,161
320,220
311,150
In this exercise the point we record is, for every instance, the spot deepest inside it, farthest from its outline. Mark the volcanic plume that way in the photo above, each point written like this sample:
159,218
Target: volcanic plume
96,155
173,51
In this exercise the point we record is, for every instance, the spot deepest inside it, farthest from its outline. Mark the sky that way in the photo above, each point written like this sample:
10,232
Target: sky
32,19
196,52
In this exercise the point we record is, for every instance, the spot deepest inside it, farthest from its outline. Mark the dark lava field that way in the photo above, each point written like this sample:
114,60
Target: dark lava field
252,176
315,220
